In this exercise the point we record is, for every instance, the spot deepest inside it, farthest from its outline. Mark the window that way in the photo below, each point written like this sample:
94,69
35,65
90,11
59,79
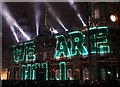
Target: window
85,74
57,74
69,74
96,12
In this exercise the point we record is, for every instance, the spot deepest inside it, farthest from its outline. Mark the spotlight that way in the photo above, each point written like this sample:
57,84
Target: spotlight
61,24
53,30
14,33
37,27
11,21
71,2
37,18
84,25
20,29
76,10
56,17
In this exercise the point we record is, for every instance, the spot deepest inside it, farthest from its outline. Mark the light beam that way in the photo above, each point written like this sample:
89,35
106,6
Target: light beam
37,18
84,25
53,30
20,29
59,21
56,17
14,33
71,2
11,21
78,13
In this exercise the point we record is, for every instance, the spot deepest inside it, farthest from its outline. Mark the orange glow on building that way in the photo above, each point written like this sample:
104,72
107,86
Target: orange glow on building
4,75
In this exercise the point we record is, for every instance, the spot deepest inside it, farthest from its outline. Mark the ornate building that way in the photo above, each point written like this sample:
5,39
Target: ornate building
79,54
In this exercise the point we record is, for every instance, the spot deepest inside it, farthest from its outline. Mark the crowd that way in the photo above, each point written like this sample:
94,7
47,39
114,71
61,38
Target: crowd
67,83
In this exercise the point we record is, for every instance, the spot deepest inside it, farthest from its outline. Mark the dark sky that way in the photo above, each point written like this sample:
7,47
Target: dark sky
64,11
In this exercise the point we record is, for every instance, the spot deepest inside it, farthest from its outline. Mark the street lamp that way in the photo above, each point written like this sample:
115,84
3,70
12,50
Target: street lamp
113,18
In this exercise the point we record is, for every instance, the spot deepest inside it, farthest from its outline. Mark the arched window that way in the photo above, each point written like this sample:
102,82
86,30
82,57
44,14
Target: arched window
69,74
57,74
85,74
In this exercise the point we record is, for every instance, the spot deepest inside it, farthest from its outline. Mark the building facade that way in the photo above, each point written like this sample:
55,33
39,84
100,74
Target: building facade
79,54
107,14
65,57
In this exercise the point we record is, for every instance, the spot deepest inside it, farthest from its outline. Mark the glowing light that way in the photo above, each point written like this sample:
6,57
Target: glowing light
117,74
71,2
76,45
77,41
61,47
37,17
99,39
62,70
11,21
26,74
57,74
77,11
14,33
57,79
37,27
59,21
22,51
6,14
29,71
23,72
18,53
56,17
113,18
53,30
109,72
69,74
84,25
4,74
46,67
103,27
33,72
20,29
33,75
29,53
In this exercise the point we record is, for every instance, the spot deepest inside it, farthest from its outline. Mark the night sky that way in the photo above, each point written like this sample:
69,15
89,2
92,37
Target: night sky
63,10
